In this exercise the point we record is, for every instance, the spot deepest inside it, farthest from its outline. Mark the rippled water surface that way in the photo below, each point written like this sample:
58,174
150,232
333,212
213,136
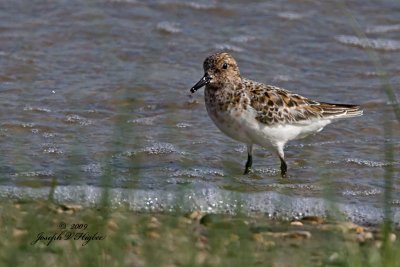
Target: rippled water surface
98,89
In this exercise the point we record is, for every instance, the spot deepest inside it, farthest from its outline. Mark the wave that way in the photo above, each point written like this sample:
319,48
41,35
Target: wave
378,44
207,200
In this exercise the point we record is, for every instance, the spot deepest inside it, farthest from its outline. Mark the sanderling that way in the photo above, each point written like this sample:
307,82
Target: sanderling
256,113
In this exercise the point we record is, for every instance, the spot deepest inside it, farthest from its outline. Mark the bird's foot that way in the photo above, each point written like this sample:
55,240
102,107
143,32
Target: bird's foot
246,171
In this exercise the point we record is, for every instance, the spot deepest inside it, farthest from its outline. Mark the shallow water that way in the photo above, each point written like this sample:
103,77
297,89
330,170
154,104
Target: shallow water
98,89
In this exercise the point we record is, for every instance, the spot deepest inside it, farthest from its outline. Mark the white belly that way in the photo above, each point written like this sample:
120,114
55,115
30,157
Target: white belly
232,124
242,126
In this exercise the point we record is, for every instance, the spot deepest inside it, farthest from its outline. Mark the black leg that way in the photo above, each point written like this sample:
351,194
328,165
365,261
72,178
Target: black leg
283,168
248,163
249,158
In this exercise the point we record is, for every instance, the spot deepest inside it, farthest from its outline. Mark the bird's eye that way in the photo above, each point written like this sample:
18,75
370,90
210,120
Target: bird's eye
225,66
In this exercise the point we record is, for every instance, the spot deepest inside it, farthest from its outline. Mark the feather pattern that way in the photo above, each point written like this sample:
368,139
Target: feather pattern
275,105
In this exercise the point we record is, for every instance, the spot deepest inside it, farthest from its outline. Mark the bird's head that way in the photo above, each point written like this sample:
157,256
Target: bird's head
219,69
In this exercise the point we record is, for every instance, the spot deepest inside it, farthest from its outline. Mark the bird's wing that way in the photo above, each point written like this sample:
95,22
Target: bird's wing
275,106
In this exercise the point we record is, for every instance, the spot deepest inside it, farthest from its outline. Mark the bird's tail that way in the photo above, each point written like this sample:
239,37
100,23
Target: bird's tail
340,111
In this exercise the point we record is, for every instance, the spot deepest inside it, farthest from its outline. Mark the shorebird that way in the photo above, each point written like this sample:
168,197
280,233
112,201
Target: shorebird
258,114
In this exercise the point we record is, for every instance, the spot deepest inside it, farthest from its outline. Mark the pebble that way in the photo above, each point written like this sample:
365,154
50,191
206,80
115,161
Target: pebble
359,230
68,208
259,238
112,225
296,223
334,256
69,212
299,234
363,237
154,223
202,242
74,207
350,226
201,258
153,234
392,237
290,234
195,215
313,219
343,227
234,237
379,236
184,220
17,233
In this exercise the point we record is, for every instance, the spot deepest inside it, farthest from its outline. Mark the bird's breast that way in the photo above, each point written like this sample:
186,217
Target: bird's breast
227,112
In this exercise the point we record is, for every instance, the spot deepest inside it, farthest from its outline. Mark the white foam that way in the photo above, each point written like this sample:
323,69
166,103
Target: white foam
208,200
242,38
290,15
368,163
183,125
169,27
224,47
383,28
148,121
76,119
39,109
156,148
201,6
198,173
378,44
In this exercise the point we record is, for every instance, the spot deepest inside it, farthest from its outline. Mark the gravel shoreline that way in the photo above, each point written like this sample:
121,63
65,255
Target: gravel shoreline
47,234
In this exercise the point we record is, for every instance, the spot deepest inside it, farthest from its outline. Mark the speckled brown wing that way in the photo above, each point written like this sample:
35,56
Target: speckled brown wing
278,106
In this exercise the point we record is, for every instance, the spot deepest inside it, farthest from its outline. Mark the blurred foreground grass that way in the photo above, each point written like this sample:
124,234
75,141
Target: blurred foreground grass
126,238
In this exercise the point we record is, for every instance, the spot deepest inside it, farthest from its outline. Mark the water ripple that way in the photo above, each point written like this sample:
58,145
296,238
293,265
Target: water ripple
168,27
378,44
290,15
45,173
383,28
39,109
198,173
76,119
154,149
370,192
53,150
93,168
201,6
147,121
229,47
368,163
183,125
242,39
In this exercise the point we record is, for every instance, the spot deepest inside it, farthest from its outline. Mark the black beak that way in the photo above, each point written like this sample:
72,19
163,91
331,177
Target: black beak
204,81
